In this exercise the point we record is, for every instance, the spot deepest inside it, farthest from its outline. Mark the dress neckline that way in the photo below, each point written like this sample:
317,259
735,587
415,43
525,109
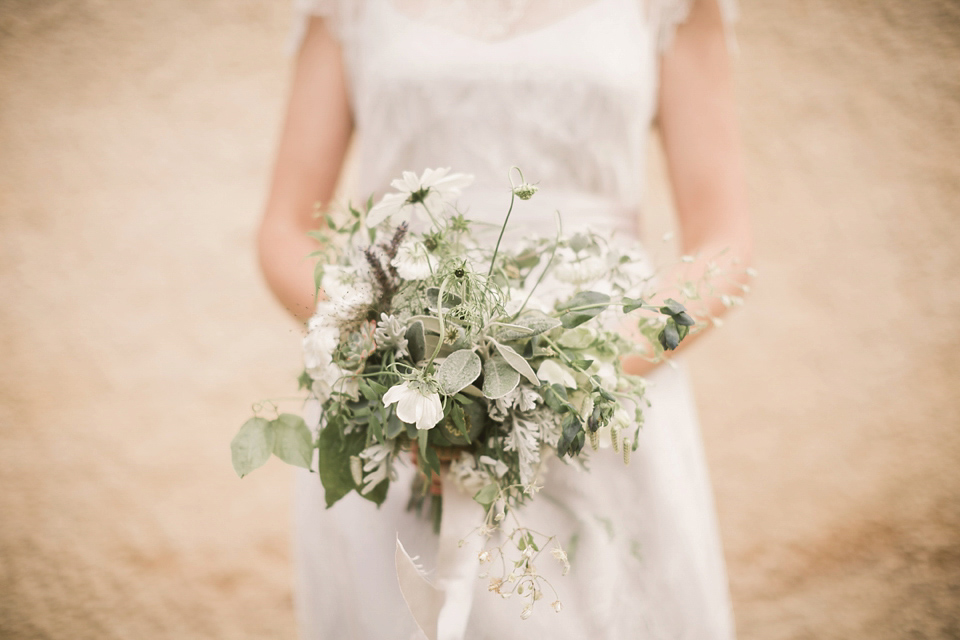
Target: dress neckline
573,17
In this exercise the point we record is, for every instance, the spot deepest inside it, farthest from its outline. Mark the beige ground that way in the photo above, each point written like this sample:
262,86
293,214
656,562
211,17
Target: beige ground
135,140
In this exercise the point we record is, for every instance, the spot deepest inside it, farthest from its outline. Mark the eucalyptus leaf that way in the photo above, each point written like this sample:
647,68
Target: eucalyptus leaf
499,378
518,362
251,447
293,442
458,370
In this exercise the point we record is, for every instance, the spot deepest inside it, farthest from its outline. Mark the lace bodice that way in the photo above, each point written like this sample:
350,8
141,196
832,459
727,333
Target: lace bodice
564,89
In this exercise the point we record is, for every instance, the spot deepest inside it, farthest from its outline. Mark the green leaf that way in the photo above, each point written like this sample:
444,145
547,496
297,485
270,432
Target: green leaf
572,428
456,413
518,362
682,331
669,336
684,319
251,446
376,428
499,378
395,426
536,322
318,275
579,338
486,496
458,370
671,307
335,465
556,397
631,304
292,440
416,341
596,302
304,381
378,494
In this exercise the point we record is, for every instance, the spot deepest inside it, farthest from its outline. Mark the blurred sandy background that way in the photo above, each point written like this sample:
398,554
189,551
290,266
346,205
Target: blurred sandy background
135,143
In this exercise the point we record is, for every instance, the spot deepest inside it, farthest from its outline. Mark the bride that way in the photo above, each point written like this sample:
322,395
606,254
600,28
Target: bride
567,90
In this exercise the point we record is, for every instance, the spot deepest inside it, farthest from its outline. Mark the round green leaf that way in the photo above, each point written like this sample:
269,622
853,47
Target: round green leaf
251,446
293,442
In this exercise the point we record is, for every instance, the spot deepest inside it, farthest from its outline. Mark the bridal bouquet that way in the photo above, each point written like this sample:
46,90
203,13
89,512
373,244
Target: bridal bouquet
432,339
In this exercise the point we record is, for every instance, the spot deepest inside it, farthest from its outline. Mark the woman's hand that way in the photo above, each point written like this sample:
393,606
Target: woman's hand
316,135
699,132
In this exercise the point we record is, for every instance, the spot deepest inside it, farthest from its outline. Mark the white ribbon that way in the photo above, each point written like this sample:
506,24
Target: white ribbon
441,610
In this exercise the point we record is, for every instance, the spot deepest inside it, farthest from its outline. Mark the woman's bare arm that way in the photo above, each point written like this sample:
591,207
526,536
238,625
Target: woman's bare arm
700,139
315,137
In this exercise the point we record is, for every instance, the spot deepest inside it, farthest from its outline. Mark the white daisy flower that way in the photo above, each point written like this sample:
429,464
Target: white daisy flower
413,261
416,196
415,405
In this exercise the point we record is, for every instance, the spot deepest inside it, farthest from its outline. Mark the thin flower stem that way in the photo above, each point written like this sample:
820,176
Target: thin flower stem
503,227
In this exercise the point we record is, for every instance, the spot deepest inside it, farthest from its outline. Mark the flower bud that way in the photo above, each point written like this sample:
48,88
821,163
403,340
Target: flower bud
525,191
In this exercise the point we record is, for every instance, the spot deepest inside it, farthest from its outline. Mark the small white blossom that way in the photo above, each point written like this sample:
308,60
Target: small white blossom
527,612
557,606
525,191
413,261
415,405
432,191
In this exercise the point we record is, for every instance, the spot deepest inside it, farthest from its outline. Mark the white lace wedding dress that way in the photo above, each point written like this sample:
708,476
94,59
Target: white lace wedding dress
566,90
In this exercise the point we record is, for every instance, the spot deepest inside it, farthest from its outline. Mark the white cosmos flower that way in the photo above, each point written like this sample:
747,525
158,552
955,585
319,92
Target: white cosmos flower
413,261
415,196
414,406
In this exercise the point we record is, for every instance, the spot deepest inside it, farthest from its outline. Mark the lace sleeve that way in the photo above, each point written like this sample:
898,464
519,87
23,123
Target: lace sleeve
337,14
669,14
